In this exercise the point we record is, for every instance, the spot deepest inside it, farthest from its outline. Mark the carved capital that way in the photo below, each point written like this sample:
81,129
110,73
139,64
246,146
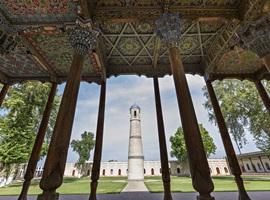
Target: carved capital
255,36
168,29
83,38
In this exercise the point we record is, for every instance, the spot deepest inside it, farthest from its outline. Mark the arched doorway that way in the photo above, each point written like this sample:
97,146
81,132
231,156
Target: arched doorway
218,171
119,172
152,172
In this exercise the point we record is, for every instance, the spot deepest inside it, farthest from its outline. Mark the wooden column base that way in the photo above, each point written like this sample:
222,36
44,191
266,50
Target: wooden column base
266,60
48,196
93,194
205,198
23,195
243,195
167,190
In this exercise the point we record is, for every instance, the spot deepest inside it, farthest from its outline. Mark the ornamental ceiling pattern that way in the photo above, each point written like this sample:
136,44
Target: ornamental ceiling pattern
127,43
21,64
58,52
239,61
25,11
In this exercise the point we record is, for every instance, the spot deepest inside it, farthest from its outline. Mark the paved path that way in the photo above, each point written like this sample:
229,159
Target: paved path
155,196
135,186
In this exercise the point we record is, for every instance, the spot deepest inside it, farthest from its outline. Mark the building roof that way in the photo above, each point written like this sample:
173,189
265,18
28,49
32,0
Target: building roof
128,43
253,154
135,106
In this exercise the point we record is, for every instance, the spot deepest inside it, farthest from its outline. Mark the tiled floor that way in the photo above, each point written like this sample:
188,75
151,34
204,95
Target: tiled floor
155,196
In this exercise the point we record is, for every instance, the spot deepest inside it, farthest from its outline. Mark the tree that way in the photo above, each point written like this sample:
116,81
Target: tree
179,148
83,147
21,115
243,110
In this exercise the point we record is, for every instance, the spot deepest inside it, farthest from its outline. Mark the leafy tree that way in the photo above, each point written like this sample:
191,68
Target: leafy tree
83,147
243,110
19,122
179,148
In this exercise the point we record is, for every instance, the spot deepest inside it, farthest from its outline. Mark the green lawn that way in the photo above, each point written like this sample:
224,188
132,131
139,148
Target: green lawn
73,186
154,184
222,183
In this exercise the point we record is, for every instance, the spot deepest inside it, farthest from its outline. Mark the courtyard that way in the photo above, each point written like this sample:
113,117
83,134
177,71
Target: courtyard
114,185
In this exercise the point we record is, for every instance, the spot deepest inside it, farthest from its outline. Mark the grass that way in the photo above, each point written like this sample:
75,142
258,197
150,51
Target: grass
108,185
154,184
221,183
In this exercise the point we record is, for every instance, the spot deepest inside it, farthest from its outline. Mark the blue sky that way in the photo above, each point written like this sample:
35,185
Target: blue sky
122,92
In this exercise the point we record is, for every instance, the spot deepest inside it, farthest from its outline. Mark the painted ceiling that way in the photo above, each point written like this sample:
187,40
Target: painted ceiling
127,43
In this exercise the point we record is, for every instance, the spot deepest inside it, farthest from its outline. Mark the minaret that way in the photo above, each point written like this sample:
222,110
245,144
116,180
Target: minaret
135,153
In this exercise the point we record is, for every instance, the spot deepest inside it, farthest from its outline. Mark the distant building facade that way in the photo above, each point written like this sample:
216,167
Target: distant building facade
251,163
151,168
255,162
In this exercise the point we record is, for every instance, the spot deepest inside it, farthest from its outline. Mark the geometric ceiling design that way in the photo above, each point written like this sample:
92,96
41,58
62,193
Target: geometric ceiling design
127,43
58,52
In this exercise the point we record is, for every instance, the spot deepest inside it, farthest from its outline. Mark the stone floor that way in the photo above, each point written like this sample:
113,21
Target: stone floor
135,186
154,196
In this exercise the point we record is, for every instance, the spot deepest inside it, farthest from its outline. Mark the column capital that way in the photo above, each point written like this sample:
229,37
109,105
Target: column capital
255,36
83,38
168,29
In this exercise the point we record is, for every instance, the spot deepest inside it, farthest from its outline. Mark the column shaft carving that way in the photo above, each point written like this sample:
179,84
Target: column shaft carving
83,39
56,159
228,146
168,29
162,144
98,144
32,163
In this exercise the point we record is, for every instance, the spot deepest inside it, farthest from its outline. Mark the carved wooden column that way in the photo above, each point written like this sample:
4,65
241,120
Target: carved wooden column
255,36
98,145
168,28
3,93
162,144
83,39
32,163
228,146
263,94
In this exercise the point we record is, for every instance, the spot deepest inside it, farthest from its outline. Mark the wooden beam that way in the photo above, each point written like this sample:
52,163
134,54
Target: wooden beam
151,13
156,52
88,8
